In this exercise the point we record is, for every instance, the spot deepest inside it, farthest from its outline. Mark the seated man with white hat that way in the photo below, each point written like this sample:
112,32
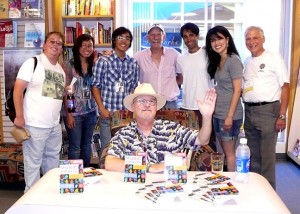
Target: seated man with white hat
157,137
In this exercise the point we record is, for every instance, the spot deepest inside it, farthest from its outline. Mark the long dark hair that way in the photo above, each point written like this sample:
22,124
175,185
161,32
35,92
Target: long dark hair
76,55
213,57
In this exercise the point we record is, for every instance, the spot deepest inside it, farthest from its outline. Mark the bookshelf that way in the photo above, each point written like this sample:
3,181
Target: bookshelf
13,55
95,17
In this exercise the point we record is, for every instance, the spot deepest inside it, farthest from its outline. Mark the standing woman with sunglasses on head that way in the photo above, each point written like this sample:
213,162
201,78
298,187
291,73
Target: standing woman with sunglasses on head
80,122
115,77
226,68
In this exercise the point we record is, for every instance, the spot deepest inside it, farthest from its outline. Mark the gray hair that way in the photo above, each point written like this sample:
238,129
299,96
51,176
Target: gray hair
254,28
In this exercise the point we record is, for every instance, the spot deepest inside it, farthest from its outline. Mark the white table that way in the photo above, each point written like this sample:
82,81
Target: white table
112,195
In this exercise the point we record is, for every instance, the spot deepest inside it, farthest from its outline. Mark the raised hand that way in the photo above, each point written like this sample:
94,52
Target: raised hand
207,106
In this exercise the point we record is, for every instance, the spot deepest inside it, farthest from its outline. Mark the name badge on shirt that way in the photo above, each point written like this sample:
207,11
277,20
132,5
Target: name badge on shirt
119,87
86,93
248,86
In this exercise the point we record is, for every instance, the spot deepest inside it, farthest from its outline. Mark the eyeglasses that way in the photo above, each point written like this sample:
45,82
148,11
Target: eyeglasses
87,46
144,102
120,38
53,42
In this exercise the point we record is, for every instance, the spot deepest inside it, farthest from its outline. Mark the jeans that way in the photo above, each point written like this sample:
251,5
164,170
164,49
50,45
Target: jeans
80,137
170,105
41,152
105,132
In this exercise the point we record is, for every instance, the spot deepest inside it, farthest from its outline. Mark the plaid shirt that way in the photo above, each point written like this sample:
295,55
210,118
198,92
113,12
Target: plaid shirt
166,137
108,71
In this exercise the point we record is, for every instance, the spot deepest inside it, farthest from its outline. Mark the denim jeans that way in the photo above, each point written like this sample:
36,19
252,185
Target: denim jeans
41,152
105,132
80,137
170,105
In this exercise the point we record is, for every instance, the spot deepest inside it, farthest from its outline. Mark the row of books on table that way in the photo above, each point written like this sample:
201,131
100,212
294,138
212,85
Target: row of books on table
207,186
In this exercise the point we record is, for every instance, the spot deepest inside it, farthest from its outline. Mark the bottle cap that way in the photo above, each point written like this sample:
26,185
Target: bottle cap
243,141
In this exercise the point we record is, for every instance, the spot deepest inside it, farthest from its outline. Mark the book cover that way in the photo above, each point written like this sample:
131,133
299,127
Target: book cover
6,33
105,7
4,9
96,8
79,29
14,8
176,168
91,175
34,34
32,8
216,178
11,38
71,7
71,176
87,9
224,189
80,7
135,167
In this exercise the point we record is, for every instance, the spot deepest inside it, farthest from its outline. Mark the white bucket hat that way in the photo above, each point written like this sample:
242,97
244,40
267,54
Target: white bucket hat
144,89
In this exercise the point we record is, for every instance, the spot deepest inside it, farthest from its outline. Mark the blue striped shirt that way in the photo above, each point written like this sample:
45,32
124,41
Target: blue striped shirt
108,71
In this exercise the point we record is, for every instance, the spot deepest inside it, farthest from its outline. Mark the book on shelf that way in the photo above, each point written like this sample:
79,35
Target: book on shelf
4,9
32,8
34,34
105,7
79,29
69,35
8,33
71,176
71,7
80,7
14,9
89,7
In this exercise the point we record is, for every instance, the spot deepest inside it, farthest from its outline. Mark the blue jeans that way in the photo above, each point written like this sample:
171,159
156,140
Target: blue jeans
41,152
105,132
170,105
80,138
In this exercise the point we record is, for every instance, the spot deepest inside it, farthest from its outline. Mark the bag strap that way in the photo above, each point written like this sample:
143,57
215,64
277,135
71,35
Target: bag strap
34,67
35,63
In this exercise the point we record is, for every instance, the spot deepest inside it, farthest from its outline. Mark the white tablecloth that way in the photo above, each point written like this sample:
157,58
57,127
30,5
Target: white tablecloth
112,195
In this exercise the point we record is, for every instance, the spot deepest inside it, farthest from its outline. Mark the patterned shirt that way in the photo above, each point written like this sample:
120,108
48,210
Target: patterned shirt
84,100
165,137
116,78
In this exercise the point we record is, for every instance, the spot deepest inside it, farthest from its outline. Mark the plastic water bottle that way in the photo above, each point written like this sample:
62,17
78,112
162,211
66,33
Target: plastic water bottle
242,163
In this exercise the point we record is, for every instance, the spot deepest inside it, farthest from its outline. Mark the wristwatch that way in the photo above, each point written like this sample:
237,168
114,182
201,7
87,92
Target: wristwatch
282,117
147,167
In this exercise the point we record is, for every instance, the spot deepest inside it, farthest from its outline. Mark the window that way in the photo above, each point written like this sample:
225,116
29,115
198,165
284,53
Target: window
173,14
